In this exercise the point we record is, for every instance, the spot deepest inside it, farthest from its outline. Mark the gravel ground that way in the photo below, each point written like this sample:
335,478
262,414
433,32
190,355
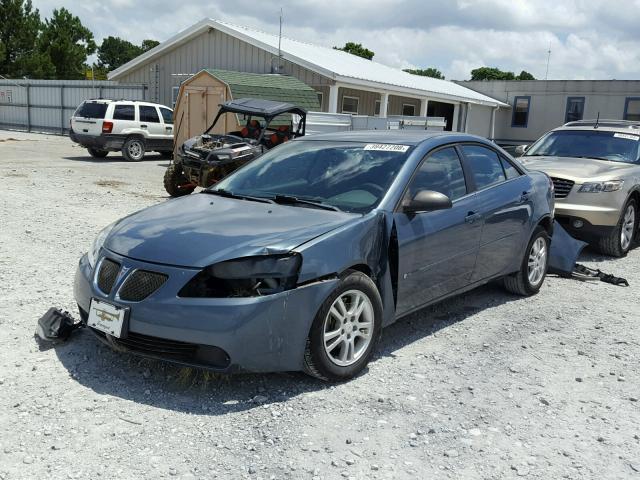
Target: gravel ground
486,386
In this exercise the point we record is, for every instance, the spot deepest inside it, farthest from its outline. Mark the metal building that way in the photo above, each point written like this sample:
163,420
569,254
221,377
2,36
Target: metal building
344,83
47,105
540,105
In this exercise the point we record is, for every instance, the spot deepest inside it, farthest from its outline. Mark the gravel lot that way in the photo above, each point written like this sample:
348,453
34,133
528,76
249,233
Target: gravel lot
486,386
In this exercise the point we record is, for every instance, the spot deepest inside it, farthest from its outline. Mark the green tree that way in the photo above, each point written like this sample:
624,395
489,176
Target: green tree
67,43
524,75
356,49
115,51
148,44
492,73
20,26
426,72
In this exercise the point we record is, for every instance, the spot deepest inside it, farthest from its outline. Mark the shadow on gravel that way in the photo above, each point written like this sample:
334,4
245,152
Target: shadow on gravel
113,158
163,385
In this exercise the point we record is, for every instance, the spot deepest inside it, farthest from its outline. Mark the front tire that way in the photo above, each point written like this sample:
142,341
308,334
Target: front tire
175,182
529,279
133,149
619,241
95,153
345,330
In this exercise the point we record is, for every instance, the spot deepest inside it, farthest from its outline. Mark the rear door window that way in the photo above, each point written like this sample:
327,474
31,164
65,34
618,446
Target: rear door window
167,115
124,112
509,170
91,110
149,114
486,167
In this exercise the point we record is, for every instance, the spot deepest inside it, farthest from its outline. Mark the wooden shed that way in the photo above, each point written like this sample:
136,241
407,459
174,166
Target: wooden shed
200,96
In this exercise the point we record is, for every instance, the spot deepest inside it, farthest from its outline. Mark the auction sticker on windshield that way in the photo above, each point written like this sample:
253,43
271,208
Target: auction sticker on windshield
627,136
106,317
385,147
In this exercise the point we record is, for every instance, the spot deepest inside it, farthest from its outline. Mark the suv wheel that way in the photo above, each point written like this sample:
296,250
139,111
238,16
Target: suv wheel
345,331
133,149
175,182
95,153
533,270
619,241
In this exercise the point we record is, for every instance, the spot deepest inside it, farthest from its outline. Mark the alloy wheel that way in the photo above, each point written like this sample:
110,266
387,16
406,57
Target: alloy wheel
135,149
348,328
628,227
537,261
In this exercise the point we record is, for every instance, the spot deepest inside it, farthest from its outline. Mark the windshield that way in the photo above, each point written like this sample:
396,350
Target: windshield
613,146
350,176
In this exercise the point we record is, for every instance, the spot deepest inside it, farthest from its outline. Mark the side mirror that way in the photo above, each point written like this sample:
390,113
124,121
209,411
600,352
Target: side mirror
520,149
427,201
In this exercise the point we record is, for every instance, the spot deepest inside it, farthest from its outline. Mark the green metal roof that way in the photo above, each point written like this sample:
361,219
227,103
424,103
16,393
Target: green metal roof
279,88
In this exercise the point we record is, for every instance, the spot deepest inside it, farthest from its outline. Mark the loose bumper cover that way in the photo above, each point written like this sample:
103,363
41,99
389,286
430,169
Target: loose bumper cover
260,334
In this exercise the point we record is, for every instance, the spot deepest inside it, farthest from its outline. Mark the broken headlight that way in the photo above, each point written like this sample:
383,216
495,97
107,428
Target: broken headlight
92,254
246,277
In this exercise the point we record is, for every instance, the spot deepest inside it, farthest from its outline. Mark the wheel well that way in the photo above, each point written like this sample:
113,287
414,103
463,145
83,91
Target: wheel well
547,224
361,267
135,135
636,196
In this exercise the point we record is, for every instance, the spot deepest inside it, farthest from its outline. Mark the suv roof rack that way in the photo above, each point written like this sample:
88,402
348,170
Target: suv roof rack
604,123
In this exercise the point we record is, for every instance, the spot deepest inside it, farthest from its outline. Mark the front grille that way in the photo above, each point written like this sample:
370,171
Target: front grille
562,186
140,284
107,275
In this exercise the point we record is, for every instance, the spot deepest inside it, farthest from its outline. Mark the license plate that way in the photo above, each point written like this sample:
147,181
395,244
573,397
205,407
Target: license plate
106,317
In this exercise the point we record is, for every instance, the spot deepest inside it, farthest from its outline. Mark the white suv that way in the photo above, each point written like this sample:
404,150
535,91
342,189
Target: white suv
134,127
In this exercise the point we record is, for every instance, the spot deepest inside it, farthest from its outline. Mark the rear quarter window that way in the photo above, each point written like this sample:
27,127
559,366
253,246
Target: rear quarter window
91,110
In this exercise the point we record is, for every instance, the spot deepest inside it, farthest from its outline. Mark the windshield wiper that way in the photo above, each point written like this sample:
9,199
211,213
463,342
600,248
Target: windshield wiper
226,193
292,200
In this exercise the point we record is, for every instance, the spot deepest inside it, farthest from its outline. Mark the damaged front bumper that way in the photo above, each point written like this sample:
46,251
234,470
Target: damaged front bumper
260,334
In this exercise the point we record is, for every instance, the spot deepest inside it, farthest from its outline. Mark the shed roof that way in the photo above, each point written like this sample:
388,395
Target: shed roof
335,64
278,88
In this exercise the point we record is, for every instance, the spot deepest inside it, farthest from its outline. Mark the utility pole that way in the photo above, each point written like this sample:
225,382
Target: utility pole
546,74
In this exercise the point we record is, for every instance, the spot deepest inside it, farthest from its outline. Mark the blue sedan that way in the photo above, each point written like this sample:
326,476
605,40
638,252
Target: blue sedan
299,259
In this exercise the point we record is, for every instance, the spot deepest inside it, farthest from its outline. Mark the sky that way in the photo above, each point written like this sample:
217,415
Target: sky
588,39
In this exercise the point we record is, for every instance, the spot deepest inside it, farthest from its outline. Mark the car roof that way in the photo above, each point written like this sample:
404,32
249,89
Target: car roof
605,125
404,137
123,100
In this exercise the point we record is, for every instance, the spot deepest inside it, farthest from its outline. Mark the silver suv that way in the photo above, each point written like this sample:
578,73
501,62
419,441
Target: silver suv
132,127
595,168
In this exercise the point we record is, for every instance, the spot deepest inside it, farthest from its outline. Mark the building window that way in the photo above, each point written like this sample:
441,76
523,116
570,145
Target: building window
632,108
408,110
575,109
520,117
350,105
174,96
320,99
376,111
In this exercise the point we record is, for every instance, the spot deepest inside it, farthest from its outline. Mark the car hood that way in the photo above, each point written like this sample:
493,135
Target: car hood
201,229
576,169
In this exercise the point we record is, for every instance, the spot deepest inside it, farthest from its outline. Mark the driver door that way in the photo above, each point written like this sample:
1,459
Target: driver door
437,250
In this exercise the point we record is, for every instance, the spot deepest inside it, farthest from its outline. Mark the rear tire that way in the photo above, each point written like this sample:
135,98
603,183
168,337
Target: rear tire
345,331
620,240
95,153
175,182
133,149
529,279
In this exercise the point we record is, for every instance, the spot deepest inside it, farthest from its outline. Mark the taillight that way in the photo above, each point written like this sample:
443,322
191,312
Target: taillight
107,127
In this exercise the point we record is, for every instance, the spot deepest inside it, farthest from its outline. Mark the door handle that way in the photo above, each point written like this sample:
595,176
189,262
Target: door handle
472,217
143,126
